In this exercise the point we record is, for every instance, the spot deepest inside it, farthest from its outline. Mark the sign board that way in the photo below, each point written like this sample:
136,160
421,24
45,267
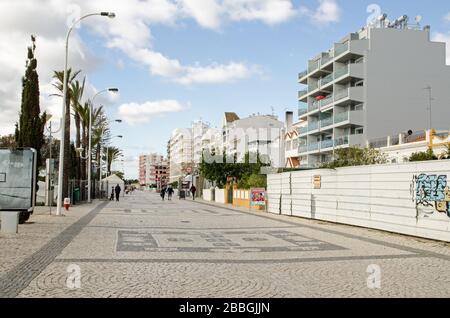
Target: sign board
17,184
258,197
317,182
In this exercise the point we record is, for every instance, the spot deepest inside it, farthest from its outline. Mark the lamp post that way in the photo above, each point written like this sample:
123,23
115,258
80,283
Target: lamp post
61,150
114,90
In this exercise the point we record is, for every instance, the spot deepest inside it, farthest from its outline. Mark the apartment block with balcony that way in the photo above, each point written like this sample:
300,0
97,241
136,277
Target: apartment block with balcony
371,84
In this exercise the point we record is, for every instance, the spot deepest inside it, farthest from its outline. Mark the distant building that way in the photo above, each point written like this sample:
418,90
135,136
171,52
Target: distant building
153,170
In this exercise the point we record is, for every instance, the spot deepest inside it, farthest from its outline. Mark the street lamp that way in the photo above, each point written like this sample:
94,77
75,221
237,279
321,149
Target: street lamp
61,150
113,90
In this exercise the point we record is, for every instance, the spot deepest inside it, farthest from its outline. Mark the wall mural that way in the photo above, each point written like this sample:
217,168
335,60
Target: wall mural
431,191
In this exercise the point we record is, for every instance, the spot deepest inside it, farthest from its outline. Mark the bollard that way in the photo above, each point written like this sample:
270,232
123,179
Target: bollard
10,222
67,203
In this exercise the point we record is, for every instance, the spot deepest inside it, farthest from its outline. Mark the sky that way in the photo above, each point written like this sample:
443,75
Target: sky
176,61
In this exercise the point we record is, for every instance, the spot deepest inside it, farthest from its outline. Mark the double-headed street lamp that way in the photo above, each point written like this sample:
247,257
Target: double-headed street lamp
113,90
61,150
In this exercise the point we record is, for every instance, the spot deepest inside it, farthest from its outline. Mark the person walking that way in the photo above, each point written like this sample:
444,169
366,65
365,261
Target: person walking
118,189
163,193
169,193
111,198
193,190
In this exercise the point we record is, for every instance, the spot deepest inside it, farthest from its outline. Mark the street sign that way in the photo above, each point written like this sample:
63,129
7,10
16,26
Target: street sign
258,197
317,181
17,179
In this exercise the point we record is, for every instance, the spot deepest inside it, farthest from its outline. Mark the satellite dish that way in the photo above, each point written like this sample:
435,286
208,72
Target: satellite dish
419,19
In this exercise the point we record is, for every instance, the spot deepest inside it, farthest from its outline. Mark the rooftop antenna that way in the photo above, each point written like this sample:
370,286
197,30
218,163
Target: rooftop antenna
273,110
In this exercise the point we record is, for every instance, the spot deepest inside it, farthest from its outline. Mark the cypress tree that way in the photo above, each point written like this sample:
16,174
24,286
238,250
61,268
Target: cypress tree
30,129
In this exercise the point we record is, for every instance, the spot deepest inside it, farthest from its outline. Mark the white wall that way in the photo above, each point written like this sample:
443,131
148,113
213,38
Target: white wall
207,194
381,197
220,195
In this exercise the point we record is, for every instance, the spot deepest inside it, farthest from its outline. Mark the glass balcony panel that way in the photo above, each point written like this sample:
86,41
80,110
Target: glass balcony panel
303,130
326,59
313,126
340,94
341,71
302,74
313,146
341,141
340,117
313,86
303,149
327,144
313,106
302,93
313,66
326,122
302,111
341,48
327,79
326,101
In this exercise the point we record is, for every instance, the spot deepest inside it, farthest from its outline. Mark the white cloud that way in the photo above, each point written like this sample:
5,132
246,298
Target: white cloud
134,113
327,12
443,37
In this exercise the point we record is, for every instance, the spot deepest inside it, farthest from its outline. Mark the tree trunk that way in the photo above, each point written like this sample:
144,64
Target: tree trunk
78,145
85,151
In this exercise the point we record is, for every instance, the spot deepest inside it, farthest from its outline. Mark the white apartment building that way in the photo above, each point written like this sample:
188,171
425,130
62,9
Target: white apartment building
180,153
199,129
257,133
376,82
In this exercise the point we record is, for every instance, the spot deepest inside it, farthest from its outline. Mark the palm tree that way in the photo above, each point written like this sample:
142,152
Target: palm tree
112,154
59,77
77,90
83,112
100,133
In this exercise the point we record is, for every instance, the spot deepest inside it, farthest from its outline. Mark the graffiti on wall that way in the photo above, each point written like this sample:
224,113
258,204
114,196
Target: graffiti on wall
431,191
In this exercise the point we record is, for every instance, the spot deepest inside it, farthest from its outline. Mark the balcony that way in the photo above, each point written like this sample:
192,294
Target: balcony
326,101
342,141
326,122
302,74
302,93
326,59
302,111
325,144
313,86
313,66
341,94
303,149
313,106
339,72
341,48
326,80
303,130
313,126
313,147
341,117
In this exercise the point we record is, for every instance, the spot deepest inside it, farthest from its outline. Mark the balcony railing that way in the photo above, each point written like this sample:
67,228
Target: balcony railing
341,71
326,80
302,110
341,141
313,106
340,94
313,126
303,149
313,86
326,59
302,93
326,122
340,117
302,130
313,66
302,74
327,144
326,101
340,48
313,146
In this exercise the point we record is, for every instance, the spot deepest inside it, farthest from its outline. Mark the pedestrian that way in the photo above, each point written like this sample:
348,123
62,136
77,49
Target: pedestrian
163,193
193,189
111,198
169,193
118,189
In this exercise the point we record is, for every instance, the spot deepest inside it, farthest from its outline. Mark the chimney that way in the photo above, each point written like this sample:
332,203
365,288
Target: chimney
289,120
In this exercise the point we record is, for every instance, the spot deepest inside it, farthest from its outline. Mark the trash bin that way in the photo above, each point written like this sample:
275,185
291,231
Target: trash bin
76,195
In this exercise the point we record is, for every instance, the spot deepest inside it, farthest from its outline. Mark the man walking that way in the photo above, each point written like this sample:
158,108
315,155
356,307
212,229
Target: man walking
193,190
169,193
118,189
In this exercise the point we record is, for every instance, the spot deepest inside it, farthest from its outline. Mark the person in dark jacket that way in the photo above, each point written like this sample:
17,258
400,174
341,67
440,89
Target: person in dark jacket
111,198
163,193
169,193
193,190
118,189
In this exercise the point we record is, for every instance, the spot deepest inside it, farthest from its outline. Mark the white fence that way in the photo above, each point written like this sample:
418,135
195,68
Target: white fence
207,194
410,198
219,196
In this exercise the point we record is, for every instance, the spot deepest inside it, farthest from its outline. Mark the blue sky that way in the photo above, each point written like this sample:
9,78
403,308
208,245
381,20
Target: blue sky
272,53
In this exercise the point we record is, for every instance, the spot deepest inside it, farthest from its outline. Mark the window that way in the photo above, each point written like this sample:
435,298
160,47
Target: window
359,131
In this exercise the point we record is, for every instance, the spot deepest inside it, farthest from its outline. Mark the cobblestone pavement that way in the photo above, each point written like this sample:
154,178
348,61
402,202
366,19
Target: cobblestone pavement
143,247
